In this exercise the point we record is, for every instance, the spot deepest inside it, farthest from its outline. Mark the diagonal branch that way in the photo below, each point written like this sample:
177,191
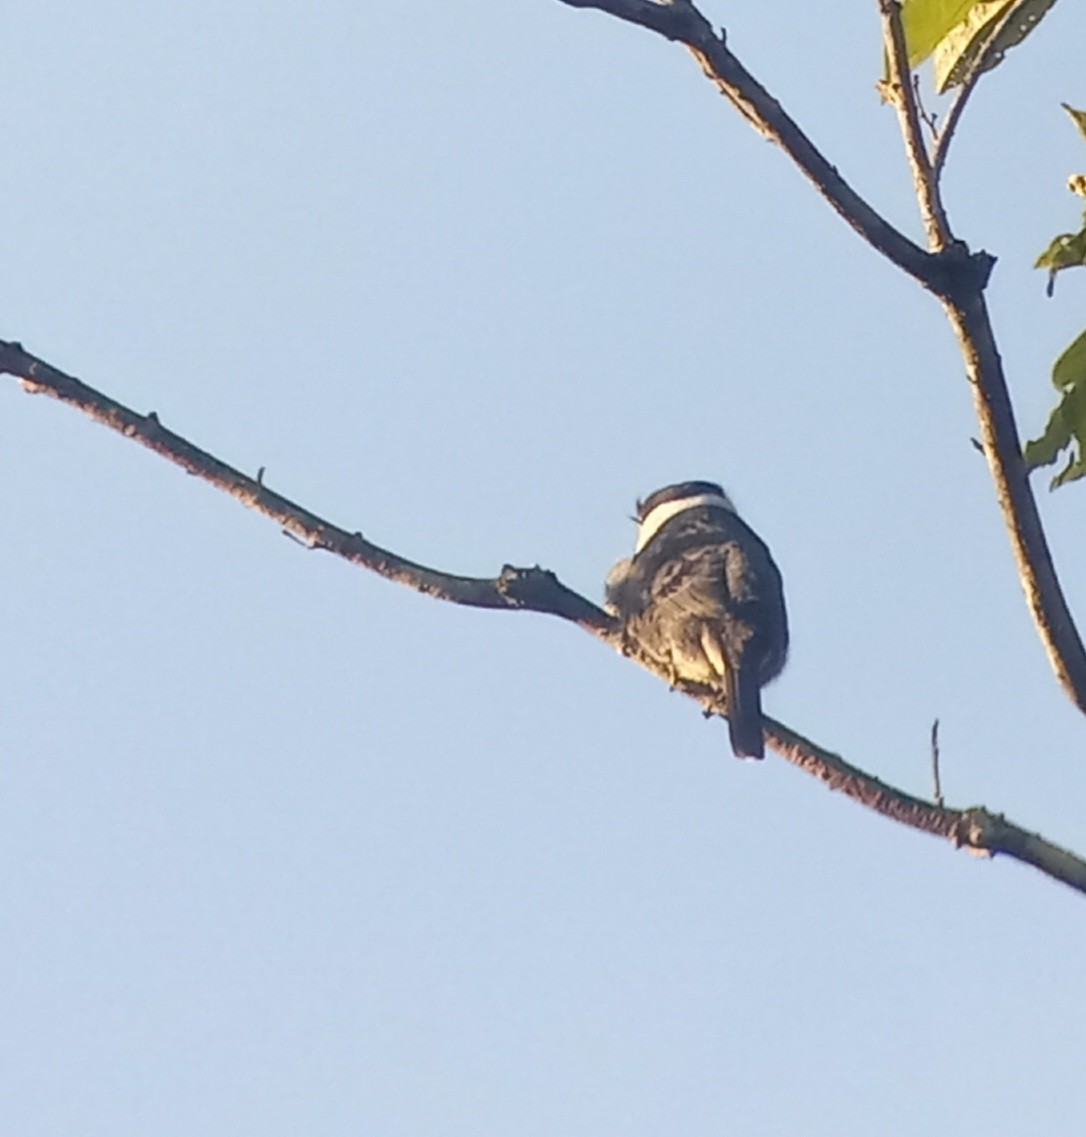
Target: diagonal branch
537,590
527,589
682,22
968,316
976,829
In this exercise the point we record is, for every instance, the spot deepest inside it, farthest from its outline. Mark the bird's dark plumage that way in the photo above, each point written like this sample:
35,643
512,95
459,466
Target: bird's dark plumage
704,598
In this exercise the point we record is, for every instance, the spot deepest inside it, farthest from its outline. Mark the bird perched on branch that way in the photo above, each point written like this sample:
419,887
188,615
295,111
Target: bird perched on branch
702,596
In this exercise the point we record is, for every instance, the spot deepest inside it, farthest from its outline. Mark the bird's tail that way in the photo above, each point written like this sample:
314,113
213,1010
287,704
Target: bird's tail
745,712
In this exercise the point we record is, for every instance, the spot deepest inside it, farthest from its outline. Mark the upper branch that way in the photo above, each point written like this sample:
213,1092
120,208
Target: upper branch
682,22
537,590
968,314
900,91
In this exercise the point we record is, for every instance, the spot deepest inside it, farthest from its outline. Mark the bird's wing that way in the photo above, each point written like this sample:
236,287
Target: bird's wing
706,581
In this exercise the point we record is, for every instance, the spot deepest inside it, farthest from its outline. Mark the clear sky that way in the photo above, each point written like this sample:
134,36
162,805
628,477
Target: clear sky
286,849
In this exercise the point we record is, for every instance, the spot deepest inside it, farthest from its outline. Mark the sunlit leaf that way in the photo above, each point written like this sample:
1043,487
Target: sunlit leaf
959,48
1065,431
1068,250
1078,117
989,30
1070,369
926,22
1066,427
1045,450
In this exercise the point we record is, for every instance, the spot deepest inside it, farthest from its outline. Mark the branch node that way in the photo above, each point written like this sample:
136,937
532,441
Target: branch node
959,274
979,831
983,263
688,24
520,585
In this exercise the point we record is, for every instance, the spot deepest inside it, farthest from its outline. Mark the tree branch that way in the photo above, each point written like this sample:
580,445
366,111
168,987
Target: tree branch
526,589
537,590
682,22
968,316
898,89
976,829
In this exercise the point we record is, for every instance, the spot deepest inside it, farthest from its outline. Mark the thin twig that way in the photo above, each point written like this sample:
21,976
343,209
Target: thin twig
965,91
899,90
928,119
537,590
937,786
950,125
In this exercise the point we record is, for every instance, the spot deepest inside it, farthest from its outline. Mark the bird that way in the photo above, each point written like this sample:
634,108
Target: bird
703,598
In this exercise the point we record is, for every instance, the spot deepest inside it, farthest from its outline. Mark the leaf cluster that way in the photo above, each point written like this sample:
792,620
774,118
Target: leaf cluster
1066,426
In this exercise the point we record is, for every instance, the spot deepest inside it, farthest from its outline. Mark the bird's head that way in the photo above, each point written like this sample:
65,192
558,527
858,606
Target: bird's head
663,504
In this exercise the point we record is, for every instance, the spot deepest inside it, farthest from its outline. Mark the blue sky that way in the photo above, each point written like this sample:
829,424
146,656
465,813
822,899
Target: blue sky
287,849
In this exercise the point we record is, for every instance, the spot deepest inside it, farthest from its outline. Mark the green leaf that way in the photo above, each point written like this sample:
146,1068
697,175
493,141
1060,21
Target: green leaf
988,31
958,51
926,22
1066,427
1068,250
1078,117
1070,369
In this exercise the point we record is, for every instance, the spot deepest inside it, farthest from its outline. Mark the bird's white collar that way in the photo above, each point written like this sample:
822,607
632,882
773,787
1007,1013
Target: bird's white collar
666,510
